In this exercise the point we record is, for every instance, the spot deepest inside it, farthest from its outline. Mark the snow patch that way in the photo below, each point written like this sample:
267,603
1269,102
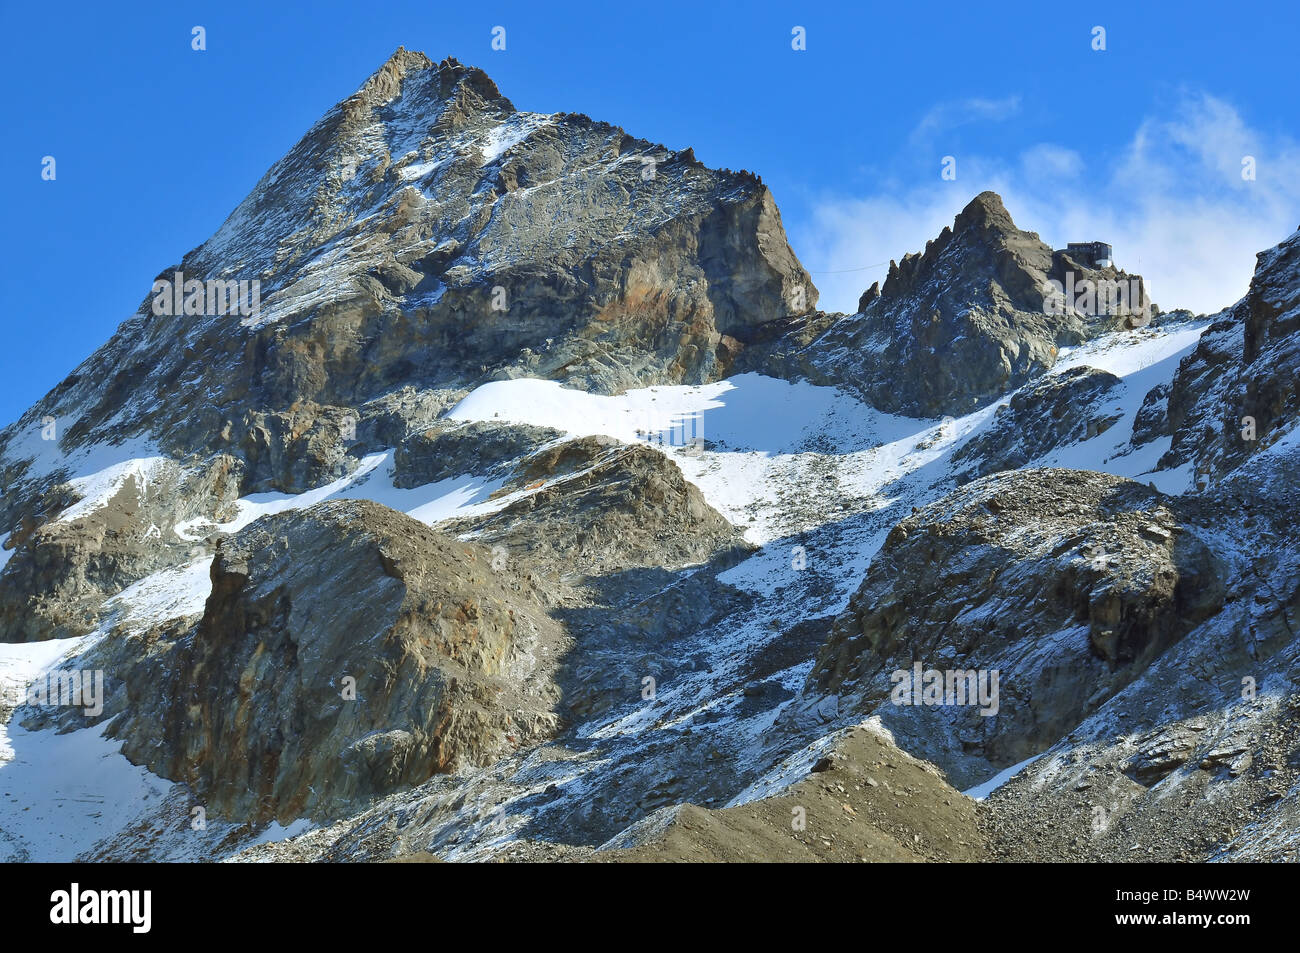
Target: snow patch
501,139
981,791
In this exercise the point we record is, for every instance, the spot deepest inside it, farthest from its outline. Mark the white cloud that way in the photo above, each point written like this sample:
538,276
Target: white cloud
1173,204
962,112
1046,161
847,234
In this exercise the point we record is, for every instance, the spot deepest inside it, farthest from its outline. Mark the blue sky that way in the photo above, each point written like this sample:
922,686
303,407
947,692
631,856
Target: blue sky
1140,144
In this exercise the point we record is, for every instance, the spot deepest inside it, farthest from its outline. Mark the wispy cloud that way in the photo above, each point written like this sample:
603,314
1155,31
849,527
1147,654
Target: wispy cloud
962,112
1048,162
1173,203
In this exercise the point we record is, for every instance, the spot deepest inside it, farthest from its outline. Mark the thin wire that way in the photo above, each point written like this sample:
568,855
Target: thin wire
847,271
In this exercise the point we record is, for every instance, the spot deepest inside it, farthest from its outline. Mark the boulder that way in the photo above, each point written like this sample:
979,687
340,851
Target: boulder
346,650
1053,412
1065,583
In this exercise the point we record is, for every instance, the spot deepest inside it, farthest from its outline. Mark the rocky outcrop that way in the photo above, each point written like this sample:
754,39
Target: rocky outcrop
958,325
345,650
1196,759
1056,411
1237,392
628,551
604,506
63,569
1066,583
1152,418
449,449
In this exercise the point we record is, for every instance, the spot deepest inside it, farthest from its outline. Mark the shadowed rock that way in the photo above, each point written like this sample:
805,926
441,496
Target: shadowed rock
1067,583
1245,365
345,650
1058,410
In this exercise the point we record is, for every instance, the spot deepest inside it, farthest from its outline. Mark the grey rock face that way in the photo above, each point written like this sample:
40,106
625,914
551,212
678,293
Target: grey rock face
1246,365
1202,396
62,570
448,450
955,326
1069,583
1056,411
1196,758
388,420
1152,418
345,650
1161,753
606,507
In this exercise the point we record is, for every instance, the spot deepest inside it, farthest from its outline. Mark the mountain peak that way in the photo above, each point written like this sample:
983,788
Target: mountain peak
984,211
459,239
963,321
386,82
981,243
391,79
407,59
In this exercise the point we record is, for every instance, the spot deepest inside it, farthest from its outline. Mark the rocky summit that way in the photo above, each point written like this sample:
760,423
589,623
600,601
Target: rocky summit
490,487
964,322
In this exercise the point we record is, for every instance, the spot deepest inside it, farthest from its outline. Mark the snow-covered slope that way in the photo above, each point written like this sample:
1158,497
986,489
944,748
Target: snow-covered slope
812,476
